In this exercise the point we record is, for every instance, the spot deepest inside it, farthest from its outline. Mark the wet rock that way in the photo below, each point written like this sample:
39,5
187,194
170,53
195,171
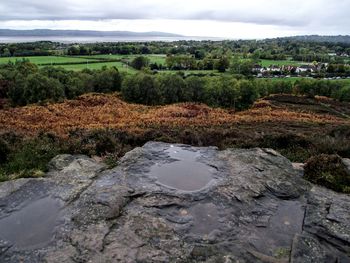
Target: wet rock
174,203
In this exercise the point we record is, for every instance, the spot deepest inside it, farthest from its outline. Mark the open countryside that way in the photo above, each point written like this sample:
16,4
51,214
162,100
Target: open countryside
175,131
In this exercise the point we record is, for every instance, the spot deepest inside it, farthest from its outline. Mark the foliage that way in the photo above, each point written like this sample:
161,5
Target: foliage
140,62
107,80
328,171
31,156
4,151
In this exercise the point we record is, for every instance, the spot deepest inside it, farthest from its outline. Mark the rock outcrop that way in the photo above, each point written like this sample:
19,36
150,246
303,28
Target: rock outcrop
174,203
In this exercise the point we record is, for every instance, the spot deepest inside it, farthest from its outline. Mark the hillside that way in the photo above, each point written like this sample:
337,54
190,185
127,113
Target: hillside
317,38
95,111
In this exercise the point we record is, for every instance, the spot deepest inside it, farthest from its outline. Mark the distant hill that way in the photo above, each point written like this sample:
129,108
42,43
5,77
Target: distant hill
80,33
317,38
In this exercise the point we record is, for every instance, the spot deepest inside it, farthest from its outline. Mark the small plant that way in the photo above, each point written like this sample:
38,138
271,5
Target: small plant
30,158
329,171
4,151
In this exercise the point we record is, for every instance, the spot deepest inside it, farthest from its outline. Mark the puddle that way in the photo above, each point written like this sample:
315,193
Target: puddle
205,218
32,226
185,172
282,227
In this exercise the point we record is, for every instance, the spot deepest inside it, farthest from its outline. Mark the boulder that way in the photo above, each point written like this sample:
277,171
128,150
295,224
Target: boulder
174,203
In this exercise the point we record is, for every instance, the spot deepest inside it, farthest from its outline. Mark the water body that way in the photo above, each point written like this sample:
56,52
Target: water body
33,225
70,39
184,172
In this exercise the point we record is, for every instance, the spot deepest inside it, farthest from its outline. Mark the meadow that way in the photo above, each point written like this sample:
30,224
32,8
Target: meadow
77,63
43,59
268,62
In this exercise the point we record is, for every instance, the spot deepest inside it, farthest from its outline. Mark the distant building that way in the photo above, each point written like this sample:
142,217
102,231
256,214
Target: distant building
305,68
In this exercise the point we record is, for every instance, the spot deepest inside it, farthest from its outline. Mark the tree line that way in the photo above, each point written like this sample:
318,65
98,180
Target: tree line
24,83
274,49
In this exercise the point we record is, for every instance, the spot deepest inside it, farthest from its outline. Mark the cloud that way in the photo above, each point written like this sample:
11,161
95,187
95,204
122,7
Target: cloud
272,12
297,15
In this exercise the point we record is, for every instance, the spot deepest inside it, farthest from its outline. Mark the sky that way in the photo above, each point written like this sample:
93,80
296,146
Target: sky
218,18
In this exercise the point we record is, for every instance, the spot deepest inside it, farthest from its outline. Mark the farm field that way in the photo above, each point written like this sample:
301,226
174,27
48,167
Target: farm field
154,58
72,62
43,59
119,65
293,79
267,62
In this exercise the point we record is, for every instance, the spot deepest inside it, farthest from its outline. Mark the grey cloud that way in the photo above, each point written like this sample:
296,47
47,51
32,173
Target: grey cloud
297,13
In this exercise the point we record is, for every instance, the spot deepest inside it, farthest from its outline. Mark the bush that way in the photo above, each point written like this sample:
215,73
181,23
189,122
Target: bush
142,88
140,62
173,88
344,94
295,148
4,151
40,88
107,80
30,158
329,171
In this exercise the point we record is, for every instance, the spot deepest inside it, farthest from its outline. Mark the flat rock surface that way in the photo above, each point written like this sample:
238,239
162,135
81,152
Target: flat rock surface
174,203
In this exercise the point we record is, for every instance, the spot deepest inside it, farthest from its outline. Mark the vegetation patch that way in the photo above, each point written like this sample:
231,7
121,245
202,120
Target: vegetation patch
329,171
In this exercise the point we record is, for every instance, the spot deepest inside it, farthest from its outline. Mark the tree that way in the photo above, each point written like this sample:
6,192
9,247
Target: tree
195,89
222,64
244,67
141,88
248,93
173,88
344,94
16,90
6,53
74,50
140,62
40,88
107,80
230,92
77,86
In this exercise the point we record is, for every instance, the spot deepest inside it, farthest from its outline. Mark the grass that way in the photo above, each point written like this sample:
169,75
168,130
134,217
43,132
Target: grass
154,58
70,61
293,79
119,65
188,72
43,59
267,63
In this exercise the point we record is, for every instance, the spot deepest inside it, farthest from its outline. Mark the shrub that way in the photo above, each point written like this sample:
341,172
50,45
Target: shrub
140,62
31,157
142,88
329,171
4,151
107,80
40,88
344,94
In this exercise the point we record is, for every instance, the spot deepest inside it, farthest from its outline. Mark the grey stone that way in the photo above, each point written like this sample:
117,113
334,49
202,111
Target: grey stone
251,206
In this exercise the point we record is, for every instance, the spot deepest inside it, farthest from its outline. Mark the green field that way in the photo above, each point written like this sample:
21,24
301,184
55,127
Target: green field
44,59
267,63
188,72
293,79
84,60
120,66
154,58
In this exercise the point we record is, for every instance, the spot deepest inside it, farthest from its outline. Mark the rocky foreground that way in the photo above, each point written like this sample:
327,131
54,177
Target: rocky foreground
174,203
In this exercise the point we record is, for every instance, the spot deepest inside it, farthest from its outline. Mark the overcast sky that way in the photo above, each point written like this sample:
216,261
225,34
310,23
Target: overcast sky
218,18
